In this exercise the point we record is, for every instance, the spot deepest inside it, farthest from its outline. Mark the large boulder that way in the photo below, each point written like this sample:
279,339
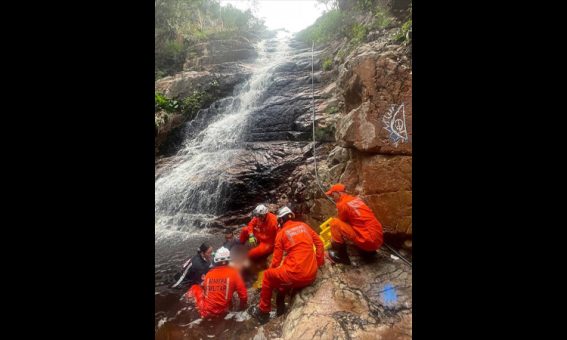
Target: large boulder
354,302
373,133
376,88
184,84
384,182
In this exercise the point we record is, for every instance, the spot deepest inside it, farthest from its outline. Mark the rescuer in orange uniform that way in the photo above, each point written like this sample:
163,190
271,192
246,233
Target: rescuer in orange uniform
263,228
356,223
214,297
299,267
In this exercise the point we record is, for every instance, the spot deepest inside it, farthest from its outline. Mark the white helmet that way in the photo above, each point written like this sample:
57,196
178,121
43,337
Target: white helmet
284,211
221,255
260,210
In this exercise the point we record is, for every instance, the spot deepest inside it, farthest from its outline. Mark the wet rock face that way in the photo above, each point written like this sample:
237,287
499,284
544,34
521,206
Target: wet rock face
286,111
260,169
214,52
183,84
373,135
371,301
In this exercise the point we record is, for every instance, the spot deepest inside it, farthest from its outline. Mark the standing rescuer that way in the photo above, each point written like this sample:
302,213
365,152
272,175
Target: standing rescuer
356,223
260,233
299,268
214,296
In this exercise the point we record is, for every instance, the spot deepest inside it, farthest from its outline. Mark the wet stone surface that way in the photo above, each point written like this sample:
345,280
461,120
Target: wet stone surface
362,301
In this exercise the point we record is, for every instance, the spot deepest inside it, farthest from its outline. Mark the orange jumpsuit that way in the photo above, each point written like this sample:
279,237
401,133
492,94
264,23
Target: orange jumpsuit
264,231
299,267
213,298
357,223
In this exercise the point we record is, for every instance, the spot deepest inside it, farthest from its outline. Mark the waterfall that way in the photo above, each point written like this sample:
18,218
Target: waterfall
191,192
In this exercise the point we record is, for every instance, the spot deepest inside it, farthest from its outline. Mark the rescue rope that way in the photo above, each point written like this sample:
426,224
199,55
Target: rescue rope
314,140
315,155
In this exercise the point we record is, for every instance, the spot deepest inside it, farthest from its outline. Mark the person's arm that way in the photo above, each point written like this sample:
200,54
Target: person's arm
241,291
252,239
319,247
278,251
246,230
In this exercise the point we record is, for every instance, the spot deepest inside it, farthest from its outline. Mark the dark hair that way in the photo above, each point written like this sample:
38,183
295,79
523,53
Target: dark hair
203,248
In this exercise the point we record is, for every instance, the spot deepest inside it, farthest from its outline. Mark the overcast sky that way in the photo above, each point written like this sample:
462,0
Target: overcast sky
293,15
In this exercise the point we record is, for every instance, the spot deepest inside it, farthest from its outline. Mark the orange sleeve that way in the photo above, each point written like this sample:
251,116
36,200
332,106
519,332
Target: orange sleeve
252,224
246,230
244,235
343,212
241,290
319,247
278,251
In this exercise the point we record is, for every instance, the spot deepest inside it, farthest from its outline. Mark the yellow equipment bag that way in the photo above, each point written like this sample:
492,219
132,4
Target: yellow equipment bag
325,233
258,283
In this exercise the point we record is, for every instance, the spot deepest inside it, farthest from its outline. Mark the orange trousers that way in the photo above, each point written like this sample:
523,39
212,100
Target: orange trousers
277,278
342,231
261,250
197,292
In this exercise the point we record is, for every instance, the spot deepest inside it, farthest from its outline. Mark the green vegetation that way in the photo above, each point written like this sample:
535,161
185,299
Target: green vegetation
358,34
403,33
188,106
332,110
325,133
327,64
381,19
181,23
326,28
364,5
335,25
166,104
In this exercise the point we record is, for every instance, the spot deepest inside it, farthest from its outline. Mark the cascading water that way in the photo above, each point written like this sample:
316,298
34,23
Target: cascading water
190,194
202,181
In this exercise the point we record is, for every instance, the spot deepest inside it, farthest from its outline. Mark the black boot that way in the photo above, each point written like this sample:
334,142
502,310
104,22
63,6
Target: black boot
367,256
280,303
338,253
262,317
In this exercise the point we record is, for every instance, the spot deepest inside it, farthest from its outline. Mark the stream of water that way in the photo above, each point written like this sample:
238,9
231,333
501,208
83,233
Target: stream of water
190,193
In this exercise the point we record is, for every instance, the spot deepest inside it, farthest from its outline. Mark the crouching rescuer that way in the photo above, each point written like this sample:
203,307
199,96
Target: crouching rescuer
213,298
299,268
260,233
355,223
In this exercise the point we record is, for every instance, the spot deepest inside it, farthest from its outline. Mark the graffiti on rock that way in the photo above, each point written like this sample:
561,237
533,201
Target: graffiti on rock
395,123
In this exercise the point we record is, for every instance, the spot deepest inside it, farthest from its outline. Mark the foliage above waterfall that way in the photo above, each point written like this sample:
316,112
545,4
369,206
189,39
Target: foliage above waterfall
329,26
181,23
354,21
337,23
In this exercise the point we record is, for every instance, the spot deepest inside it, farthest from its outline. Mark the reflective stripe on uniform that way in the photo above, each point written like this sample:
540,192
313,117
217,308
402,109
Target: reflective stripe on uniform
227,285
355,204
